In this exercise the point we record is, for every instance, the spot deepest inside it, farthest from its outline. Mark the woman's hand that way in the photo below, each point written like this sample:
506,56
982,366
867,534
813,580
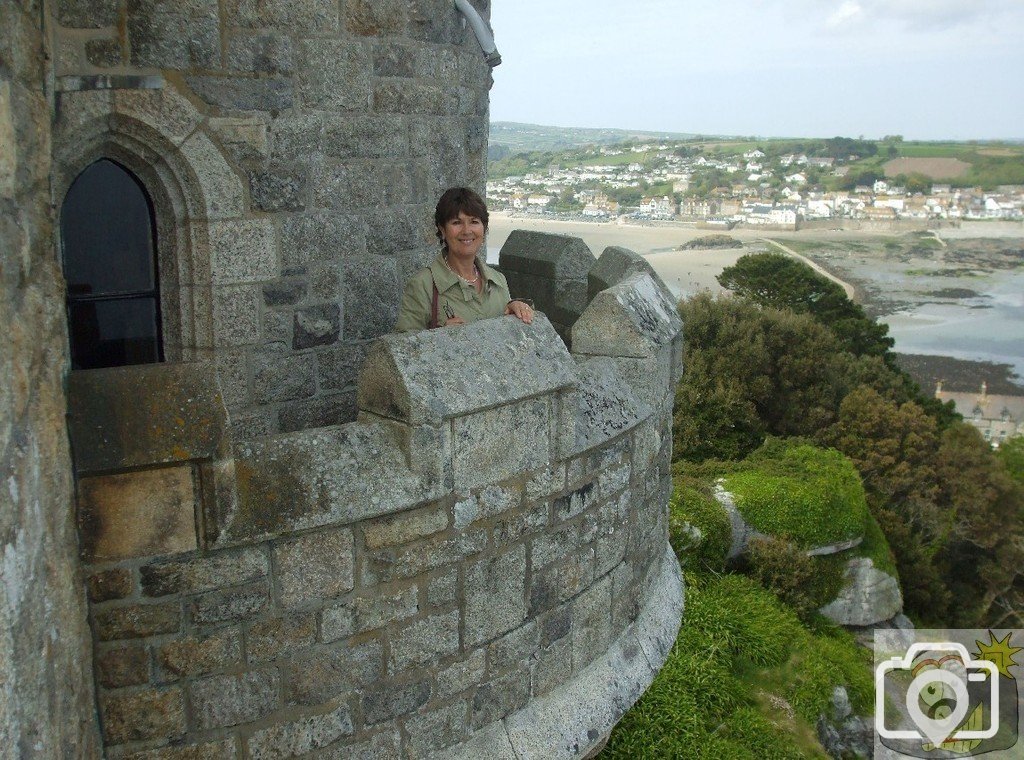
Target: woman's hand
521,310
454,321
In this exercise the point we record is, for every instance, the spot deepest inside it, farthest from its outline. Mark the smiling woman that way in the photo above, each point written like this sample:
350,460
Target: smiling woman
458,287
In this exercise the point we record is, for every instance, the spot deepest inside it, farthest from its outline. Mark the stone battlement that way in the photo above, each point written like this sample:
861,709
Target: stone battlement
477,566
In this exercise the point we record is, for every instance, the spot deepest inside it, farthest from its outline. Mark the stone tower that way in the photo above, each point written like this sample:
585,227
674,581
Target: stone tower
283,533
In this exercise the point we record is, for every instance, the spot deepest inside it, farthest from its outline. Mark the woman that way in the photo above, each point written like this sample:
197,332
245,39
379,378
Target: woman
458,287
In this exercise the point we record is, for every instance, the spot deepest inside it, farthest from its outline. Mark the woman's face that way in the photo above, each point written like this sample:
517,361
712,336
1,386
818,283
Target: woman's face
464,235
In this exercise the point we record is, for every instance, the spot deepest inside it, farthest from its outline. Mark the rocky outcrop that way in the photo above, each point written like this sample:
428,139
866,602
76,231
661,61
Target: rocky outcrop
844,735
869,595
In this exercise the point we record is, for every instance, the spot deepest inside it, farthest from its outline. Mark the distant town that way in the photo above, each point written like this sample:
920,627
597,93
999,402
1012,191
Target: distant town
724,186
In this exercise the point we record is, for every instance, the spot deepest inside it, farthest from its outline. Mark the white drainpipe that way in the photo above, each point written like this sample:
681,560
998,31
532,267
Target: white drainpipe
482,32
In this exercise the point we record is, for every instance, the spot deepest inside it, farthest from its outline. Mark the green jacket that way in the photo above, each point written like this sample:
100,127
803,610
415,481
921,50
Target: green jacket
455,296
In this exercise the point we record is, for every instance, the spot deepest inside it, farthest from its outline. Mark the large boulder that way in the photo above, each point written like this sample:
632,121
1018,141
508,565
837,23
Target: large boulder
869,595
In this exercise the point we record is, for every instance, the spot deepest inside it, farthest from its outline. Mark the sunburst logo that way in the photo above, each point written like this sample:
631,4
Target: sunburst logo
999,652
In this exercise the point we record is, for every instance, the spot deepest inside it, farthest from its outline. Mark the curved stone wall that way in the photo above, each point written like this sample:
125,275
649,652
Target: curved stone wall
477,567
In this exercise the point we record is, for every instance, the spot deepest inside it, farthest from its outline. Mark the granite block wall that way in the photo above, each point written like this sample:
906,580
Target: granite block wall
46,697
293,152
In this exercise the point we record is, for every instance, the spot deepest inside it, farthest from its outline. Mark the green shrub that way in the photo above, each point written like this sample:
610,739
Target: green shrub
804,583
698,526
813,496
876,548
738,645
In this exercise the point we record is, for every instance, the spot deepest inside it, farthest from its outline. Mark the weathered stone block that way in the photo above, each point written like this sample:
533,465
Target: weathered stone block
110,584
556,583
177,35
244,93
335,409
198,656
391,701
500,697
422,377
140,715
103,53
323,64
575,502
338,367
460,676
203,573
319,16
385,745
443,588
266,640
495,589
229,700
438,728
301,736
325,280
324,673
497,444
243,250
137,514
367,613
405,527
230,604
591,630
278,189
490,502
515,526
244,139
283,378
374,19
428,640
261,53
394,60
137,621
365,137
617,264
373,295
236,315
221,750
284,292
552,667
632,319
411,96
318,325
548,481
314,567
513,649
321,236
406,561
87,14
124,666
325,476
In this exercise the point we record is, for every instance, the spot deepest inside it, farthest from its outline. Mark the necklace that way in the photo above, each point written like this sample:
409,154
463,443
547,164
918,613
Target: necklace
464,279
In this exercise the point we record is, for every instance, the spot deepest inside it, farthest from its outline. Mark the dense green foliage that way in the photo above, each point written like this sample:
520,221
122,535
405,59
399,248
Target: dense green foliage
809,495
744,680
698,527
948,506
782,282
804,583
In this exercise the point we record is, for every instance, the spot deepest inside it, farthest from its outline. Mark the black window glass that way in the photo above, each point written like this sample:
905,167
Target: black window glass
109,257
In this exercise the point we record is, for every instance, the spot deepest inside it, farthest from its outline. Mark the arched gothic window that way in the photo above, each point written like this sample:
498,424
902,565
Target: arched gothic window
108,248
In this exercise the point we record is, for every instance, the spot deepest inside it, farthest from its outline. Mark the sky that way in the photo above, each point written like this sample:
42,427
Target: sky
924,69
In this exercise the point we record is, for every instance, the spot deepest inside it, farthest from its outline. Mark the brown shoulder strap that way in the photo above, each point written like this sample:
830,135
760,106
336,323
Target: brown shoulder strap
433,307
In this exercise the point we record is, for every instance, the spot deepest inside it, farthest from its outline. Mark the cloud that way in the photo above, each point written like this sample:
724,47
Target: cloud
847,14
924,15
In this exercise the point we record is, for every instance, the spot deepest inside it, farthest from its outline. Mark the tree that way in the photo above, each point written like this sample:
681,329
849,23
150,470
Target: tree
782,282
1011,453
750,372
